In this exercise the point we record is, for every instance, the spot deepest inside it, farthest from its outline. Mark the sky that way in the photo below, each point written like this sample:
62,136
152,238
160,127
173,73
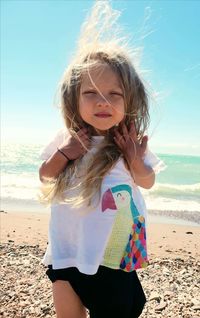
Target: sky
39,37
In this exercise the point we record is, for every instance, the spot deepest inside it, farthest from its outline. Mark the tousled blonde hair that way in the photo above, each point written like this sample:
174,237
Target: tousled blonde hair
95,48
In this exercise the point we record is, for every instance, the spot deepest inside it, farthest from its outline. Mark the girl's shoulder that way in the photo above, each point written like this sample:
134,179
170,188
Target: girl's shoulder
152,160
55,142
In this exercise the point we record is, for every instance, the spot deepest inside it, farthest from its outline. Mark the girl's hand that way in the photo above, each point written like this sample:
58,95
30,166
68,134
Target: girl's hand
76,146
132,149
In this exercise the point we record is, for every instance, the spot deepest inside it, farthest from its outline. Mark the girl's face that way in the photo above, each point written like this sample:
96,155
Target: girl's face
101,100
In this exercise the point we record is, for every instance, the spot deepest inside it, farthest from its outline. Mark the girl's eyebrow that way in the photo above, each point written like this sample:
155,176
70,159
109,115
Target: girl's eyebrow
89,87
115,87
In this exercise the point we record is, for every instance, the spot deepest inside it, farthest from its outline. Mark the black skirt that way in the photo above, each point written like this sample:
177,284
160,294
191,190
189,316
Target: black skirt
110,293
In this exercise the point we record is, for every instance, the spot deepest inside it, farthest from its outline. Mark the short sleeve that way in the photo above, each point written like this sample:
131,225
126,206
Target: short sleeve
48,150
150,159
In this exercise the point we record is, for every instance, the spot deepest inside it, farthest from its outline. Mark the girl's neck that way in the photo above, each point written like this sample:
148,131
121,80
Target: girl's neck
95,132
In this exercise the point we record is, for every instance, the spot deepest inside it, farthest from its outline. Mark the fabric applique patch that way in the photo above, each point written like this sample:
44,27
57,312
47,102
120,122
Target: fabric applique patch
126,248
135,255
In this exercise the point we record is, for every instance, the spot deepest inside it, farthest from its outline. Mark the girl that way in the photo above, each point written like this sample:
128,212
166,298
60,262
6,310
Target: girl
90,174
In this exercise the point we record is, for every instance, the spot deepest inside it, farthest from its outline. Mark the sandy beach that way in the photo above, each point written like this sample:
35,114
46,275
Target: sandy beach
171,281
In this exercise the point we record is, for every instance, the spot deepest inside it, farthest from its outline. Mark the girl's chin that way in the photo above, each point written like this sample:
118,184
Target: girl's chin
96,131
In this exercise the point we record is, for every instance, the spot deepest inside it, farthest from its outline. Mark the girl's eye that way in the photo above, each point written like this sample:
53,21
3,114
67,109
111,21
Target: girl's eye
116,94
89,92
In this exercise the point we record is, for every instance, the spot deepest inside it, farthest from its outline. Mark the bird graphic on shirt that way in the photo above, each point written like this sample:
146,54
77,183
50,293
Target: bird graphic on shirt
126,247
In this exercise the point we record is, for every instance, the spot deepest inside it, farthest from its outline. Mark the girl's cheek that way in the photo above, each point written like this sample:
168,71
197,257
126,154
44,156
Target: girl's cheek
90,98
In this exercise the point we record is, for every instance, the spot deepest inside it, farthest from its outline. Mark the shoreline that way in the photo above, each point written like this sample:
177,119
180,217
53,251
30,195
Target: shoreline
164,239
176,217
183,217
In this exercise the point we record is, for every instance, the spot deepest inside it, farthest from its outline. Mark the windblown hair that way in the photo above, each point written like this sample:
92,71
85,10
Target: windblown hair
95,49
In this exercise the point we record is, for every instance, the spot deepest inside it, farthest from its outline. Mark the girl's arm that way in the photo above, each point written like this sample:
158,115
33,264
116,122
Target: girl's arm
52,167
75,147
143,175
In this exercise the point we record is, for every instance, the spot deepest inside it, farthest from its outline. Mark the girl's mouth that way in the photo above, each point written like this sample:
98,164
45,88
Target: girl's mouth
103,115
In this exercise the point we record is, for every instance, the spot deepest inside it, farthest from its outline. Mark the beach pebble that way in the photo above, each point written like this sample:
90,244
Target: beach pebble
171,285
168,294
195,302
166,271
183,271
161,306
154,296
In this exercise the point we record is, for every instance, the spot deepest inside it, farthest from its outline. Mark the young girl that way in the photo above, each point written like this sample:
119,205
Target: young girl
91,174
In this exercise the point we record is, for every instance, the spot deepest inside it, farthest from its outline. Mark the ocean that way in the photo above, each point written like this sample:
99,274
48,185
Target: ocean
177,188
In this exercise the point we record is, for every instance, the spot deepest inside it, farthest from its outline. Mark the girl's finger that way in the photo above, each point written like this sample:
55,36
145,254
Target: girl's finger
85,137
117,134
125,132
132,131
118,137
144,143
86,142
117,142
82,132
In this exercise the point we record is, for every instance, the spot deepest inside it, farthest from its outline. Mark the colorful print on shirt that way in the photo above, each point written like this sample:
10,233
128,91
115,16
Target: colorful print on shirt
126,248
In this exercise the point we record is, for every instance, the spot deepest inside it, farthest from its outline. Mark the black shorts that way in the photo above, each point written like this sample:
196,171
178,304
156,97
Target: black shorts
109,293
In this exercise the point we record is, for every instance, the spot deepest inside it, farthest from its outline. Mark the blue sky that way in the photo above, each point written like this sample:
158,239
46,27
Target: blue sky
38,37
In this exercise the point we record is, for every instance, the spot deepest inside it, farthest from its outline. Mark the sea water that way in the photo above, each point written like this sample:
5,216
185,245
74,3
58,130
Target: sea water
177,187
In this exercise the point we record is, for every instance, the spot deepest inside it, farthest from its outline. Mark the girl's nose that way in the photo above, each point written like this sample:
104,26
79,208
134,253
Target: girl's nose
102,101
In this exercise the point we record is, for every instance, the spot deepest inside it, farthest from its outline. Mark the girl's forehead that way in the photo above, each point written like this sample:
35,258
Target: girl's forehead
100,73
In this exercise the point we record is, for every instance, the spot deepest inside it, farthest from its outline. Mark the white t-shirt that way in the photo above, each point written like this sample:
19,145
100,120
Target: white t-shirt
113,233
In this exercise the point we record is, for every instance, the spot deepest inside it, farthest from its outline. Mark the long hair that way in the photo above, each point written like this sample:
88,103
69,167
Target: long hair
93,53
